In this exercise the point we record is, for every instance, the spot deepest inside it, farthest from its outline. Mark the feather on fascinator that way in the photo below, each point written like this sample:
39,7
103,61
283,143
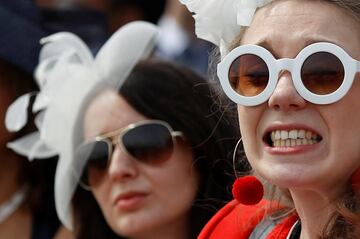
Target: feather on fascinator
220,21
69,77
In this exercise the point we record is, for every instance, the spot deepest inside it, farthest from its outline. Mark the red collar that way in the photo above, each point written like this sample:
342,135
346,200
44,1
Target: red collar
237,221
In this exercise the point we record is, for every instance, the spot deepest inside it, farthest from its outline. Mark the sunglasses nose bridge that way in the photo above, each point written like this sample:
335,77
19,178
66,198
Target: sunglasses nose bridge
115,141
285,64
285,95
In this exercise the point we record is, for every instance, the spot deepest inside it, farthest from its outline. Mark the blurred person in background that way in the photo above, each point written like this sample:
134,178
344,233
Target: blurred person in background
177,41
95,20
26,188
125,11
86,18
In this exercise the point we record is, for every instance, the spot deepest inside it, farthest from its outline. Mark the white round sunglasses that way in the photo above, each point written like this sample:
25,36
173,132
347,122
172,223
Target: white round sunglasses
322,73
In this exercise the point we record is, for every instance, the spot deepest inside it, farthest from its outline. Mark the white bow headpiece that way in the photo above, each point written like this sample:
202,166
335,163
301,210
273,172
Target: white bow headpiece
220,21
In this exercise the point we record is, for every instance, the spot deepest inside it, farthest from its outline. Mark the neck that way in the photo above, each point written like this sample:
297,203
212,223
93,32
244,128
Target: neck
177,229
314,210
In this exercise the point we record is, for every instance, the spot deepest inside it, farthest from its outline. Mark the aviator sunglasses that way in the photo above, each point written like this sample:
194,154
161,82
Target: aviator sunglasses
151,142
322,73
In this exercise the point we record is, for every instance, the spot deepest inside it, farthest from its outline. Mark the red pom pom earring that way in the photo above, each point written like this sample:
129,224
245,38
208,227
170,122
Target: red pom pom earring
247,190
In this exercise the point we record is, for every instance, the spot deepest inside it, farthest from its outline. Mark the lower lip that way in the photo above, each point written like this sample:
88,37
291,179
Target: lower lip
130,203
291,150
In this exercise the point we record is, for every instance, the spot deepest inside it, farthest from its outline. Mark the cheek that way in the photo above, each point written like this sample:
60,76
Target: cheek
343,120
245,121
96,176
249,118
102,196
179,178
344,137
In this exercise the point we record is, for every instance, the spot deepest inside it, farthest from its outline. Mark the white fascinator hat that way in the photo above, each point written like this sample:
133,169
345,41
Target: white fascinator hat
220,21
69,77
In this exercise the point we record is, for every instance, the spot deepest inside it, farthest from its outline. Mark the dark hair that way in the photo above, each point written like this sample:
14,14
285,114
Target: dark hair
168,92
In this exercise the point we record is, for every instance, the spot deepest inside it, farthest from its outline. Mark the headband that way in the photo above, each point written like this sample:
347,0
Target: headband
221,21
69,77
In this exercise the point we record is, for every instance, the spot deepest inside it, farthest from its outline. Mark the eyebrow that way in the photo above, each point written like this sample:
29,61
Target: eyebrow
267,44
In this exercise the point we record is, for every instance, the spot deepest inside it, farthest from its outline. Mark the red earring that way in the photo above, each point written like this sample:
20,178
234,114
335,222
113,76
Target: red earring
355,181
248,190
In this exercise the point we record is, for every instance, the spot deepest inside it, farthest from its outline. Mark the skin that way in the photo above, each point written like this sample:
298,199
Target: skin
170,187
318,174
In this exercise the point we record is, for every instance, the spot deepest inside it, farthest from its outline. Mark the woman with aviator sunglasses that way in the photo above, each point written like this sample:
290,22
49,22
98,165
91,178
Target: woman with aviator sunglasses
293,68
143,148
174,163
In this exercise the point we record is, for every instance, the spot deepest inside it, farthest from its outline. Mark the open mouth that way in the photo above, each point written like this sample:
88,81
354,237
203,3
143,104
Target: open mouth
291,138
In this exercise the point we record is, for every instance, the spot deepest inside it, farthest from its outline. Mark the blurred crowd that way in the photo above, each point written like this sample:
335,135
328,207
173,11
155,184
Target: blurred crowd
95,20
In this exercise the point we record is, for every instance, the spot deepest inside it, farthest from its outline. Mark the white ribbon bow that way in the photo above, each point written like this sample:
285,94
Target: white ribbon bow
220,21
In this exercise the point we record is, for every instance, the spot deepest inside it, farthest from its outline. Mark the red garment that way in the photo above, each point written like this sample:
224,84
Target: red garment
237,221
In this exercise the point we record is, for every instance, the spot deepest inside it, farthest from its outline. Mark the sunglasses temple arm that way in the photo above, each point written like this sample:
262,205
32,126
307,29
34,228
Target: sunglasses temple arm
357,66
177,134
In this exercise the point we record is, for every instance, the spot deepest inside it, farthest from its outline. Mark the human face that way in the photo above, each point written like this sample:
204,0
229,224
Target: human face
284,28
139,198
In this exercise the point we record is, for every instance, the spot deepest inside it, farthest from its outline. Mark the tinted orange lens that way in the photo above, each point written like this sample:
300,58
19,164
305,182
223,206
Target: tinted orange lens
249,75
322,73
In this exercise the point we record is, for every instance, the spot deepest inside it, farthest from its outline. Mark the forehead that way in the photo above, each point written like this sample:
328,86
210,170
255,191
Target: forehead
107,112
289,25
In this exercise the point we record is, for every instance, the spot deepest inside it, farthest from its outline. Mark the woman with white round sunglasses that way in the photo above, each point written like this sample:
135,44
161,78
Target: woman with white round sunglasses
292,67
138,159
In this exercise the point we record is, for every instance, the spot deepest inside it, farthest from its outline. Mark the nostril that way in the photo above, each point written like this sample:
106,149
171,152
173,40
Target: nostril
276,107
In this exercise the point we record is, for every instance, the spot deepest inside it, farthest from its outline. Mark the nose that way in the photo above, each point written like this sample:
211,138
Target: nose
285,97
122,167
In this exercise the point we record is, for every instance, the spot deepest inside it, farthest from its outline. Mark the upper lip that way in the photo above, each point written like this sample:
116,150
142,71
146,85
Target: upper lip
290,127
128,194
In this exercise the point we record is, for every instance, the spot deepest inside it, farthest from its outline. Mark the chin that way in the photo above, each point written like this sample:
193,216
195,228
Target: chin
131,228
128,232
289,178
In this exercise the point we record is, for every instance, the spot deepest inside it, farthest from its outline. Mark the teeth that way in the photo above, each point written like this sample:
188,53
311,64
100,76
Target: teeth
293,137
298,142
287,143
273,136
293,142
304,141
284,134
277,135
308,134
282,142
293,134
301,134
